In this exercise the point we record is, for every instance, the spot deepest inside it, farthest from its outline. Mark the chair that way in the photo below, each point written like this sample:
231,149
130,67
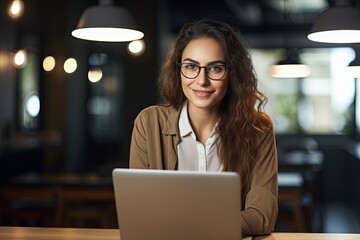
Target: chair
86,207
290,202
27,206
301,155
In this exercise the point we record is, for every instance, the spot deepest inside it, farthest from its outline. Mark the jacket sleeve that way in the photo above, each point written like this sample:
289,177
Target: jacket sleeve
261,206
138,146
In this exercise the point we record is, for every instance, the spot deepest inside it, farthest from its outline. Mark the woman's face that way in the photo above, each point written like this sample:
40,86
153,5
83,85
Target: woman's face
201,91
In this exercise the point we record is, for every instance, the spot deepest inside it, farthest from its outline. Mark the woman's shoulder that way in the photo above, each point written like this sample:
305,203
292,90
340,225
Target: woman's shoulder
154,117
161,109
158,113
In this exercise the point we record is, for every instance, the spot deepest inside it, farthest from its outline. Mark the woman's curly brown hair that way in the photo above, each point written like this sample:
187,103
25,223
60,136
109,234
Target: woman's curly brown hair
241,112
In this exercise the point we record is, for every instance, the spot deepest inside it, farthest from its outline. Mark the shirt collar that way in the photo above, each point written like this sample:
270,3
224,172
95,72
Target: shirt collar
184,123
185,126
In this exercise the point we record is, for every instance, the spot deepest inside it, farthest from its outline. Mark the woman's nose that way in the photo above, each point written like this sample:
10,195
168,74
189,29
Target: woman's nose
203,79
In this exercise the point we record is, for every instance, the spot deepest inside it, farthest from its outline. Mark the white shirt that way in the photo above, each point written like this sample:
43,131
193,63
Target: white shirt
192,154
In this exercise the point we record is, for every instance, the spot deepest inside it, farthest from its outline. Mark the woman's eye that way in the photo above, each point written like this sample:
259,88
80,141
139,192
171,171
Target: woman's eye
191,67
215,68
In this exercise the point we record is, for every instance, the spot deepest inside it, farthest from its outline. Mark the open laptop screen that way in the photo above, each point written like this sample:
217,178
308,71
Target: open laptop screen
165,204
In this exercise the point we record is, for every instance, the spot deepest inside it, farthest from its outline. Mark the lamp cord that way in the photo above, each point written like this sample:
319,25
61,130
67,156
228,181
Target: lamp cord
286,22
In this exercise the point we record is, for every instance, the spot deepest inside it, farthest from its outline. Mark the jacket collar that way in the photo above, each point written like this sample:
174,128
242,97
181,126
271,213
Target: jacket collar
171,125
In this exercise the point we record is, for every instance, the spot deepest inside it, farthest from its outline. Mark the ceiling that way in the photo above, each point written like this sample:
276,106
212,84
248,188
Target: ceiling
265,23
251,16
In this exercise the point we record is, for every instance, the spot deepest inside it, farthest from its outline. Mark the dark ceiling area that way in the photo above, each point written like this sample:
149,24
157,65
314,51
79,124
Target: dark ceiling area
251,16
265,23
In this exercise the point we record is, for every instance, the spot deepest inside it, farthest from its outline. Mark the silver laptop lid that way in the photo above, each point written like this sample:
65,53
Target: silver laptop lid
177,205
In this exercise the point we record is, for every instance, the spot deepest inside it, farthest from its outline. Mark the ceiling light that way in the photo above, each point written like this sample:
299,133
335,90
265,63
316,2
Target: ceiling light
290,67
354,70
354,66
16,9
107,23
289,70
340,24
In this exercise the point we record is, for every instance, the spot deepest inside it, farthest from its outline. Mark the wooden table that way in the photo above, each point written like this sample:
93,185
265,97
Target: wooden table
27,233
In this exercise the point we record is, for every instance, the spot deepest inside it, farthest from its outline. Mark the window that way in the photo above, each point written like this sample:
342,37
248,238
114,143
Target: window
28,97
322,103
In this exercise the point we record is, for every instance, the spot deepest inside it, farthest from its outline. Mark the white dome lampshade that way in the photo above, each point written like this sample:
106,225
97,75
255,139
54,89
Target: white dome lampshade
340,24
290,67
107,23
354,67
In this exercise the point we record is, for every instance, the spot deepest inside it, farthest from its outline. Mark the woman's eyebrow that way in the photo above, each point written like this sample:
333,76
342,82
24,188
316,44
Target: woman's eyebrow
217,61
191,60
209,63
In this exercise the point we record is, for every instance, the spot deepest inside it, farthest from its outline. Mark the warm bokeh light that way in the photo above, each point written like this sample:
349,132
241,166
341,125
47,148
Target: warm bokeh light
7,59
16,9
136,48
49,63
95,74
20,59
70,65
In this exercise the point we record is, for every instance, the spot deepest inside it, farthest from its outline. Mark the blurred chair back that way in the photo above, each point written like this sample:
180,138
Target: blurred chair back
27,206
86,207
301,157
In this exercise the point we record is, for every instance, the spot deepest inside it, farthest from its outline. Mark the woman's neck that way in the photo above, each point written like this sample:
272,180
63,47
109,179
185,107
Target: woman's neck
203,122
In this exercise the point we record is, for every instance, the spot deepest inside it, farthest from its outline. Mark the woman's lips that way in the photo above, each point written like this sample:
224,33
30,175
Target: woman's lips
202,93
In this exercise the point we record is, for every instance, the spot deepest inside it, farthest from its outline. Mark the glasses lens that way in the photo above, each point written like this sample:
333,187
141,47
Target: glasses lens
189,70
215,72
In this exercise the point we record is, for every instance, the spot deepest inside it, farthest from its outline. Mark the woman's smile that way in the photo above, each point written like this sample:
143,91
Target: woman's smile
202,93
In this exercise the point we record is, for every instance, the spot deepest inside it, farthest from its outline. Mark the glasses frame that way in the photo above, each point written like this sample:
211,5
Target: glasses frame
206,70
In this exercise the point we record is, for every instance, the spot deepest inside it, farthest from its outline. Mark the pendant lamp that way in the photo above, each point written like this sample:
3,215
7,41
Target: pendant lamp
107,23
290,67
354,66
339,24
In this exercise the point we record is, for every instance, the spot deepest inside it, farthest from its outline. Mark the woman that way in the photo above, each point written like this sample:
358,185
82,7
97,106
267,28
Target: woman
214,120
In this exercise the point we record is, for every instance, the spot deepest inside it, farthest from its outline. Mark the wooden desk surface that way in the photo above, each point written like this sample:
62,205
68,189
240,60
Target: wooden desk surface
28,233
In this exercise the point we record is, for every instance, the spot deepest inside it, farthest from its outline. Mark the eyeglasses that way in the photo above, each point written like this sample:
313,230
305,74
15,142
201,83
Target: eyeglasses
213,71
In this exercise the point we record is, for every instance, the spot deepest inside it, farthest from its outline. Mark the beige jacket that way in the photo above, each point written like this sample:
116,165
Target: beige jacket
154,145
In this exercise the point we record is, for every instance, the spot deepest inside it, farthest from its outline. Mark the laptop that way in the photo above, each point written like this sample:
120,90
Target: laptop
177,205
